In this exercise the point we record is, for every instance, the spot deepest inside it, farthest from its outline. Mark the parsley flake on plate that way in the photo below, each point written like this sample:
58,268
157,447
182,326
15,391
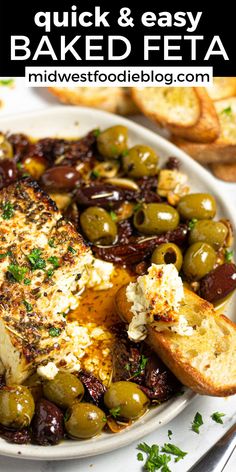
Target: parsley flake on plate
17,273
197,422
155,460
115,412
7,211
36,260
217,417
228,255
175,450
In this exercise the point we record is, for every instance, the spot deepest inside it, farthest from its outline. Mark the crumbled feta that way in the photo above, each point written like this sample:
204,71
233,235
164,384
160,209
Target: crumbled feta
48,371
157,295
98,275
72,363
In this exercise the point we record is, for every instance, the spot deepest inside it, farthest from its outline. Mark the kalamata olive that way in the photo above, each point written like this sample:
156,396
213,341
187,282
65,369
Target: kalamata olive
61,178
126,399
47,424
104,195
201,206
112,141
199,259
8,172
15,437
64,389
35,166
84,420
16,407
219,283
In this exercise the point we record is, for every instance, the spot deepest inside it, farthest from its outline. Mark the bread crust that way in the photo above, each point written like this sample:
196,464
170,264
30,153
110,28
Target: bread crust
112,99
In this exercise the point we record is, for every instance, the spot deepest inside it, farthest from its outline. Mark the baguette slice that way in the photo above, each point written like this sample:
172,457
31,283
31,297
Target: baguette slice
224,148
113,99
223,87
204,361
226,172
185,111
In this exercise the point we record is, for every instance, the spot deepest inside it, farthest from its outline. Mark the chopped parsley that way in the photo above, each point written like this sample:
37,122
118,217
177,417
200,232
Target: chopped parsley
72,250
50,272
137,206
17,272
142,365
227,111
28,306
140,456
27,281
5,254
51,242
113,215
54,261
6,82
125,152
197,422
19,165
169,433
36,260
96,132
115,411
228,255
94,174
155,460
7,211
175,450
192,223
54,332
127,366
217,417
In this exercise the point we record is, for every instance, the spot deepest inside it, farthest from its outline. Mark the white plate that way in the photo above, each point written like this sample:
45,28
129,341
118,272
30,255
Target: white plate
73,122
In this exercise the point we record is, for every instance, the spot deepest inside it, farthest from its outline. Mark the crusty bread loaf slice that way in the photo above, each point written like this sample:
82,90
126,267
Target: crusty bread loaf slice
185,111
113,99
223,149
204,361
223,87
226,172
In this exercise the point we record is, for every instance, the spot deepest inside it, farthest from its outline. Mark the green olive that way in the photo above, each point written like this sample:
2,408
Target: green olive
140,161
211,232
98,226
35,386
201,206
16,407
84,420
64,389
199,259
6,150
126,399
168,253
112,142
156,218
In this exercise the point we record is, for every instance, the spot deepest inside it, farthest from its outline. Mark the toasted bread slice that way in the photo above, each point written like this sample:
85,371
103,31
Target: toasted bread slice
223,87
204,361
226,172
113,99
223,149
185,111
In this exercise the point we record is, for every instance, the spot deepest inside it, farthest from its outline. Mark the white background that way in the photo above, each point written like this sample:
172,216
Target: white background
21,99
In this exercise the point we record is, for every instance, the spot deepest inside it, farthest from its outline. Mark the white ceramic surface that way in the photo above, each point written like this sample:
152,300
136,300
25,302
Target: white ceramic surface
72,122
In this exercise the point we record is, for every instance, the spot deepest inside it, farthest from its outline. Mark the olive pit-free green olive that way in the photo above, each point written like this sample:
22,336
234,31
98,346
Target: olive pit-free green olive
64,389
84,420
201,206
140,161
112,141
35,386
199,260
156,218
98,226
16,407
208,231
127,399
168,253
